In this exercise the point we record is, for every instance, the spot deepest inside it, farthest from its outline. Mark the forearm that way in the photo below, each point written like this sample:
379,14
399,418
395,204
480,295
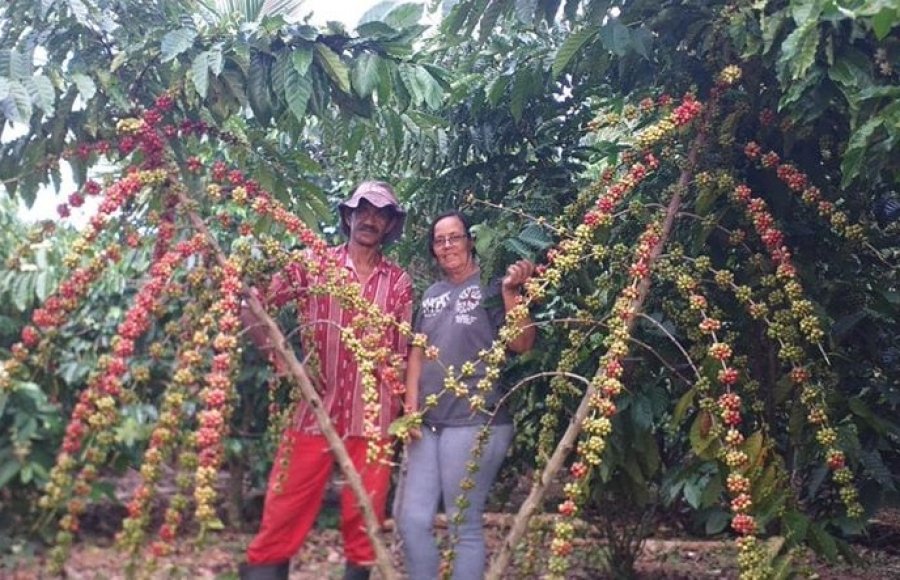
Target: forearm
413,372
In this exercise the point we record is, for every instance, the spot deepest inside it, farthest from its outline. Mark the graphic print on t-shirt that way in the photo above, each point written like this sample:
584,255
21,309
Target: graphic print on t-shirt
432,306
468,300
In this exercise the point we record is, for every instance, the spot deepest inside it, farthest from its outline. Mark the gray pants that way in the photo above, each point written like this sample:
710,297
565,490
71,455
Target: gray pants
435,465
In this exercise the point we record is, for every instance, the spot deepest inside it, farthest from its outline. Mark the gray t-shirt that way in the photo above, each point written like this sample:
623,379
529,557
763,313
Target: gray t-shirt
457,321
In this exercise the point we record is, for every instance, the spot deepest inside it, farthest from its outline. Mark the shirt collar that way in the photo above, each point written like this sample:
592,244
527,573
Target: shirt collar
343,256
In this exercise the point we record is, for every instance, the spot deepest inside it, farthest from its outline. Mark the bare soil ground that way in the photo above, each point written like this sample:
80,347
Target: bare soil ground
668,554
321,558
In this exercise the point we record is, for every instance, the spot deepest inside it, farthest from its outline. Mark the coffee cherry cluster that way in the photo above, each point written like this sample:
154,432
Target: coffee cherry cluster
89,432
218,393
683,114
799,183
605,386
171,431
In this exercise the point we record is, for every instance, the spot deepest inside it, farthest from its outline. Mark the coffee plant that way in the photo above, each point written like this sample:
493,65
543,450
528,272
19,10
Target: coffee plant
707,188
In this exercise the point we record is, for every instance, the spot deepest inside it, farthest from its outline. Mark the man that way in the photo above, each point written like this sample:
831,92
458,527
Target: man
371,218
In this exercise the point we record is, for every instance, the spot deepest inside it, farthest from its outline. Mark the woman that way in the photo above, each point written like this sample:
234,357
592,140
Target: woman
457,317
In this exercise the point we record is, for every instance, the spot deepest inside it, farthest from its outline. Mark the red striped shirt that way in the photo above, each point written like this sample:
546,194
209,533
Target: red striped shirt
390,288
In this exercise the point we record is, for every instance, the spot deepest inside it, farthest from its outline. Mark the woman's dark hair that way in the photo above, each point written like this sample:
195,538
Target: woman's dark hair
451,213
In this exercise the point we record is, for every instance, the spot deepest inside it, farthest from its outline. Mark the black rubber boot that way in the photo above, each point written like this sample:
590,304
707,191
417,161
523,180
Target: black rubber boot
277,571
356,572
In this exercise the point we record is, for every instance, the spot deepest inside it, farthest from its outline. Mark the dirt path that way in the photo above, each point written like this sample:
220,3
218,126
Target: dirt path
321,559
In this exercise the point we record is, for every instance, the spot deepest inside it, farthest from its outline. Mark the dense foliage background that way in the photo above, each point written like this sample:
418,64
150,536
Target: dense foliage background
510,109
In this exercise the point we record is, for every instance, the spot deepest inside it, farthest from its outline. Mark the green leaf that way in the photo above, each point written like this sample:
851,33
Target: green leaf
854,156
693,491
426,121
279,71
385,80
782,566
301,58
804,11
21,101
176,42
517,247
685,402
884,21
6,63
716,522
42,93
404,15
796,526
851,71
771,27
496,89
704,202
878,92
375,29
4,87
702,441
398,82
8,470
353,143
306,163
297,89
258,87
20,65
200,73
489,18
861,410
395,129
22,292
801,91
410,81
535,236
642,42
798,52
753,447
333,66
85,84
26,473
366,74
822,542
43,285
216,61
524,87
570,47
616,37
432,93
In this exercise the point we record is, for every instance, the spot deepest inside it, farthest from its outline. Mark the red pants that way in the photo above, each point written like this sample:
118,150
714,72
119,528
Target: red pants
288,515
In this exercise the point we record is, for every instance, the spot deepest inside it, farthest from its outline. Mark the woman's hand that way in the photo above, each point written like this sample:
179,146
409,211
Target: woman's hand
516,275
407,427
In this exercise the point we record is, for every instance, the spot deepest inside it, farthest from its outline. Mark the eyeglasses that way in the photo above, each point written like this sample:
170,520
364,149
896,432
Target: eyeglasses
454,240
